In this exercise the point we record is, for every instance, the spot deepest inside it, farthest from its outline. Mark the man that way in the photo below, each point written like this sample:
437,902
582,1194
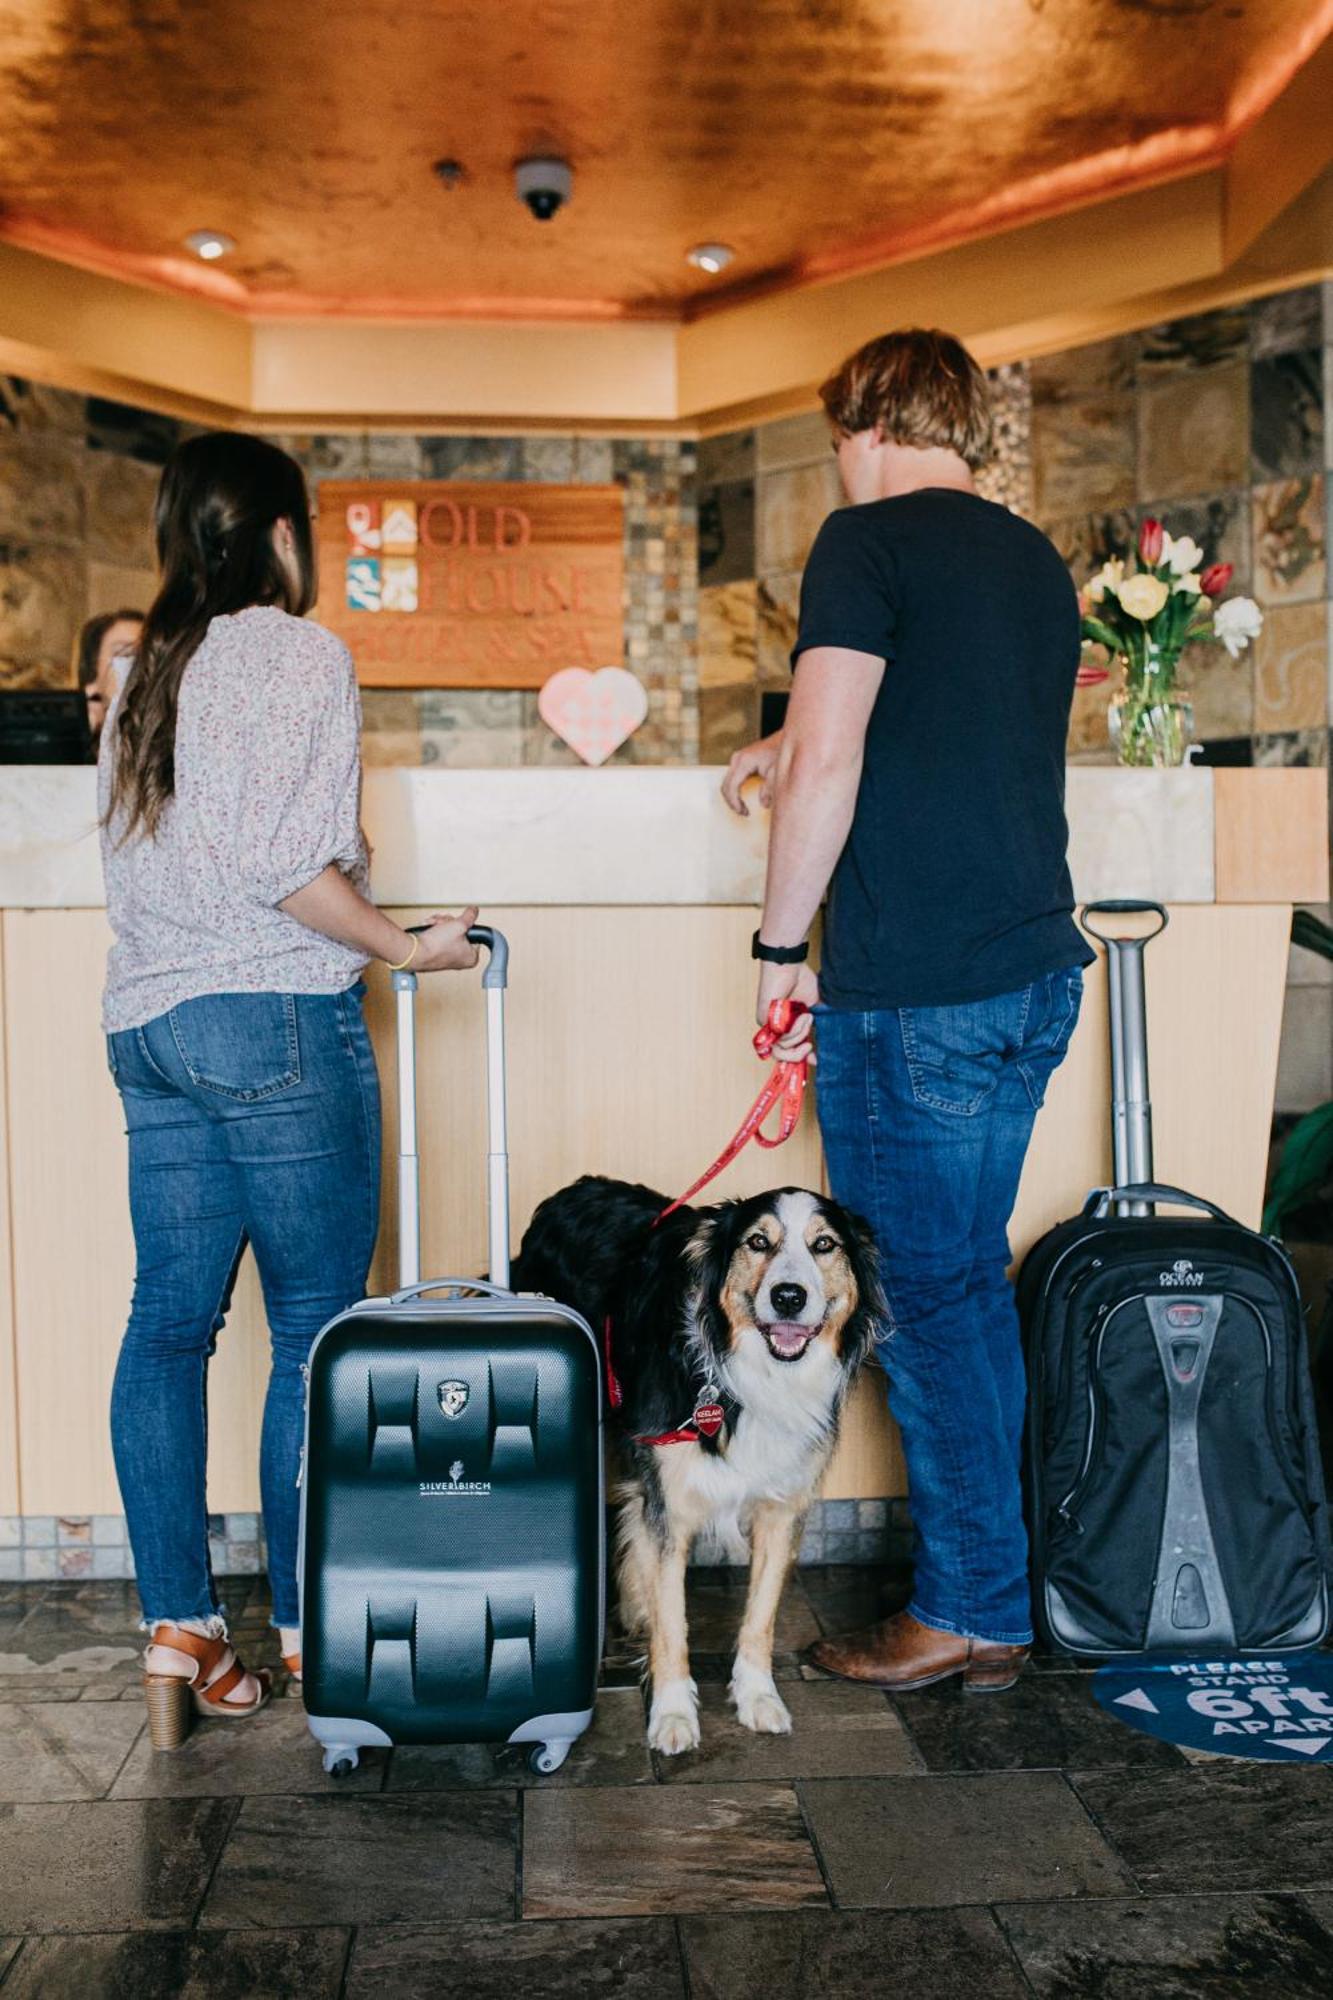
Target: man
920,779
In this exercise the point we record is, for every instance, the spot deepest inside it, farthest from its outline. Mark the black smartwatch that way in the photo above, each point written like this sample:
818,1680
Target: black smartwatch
779,954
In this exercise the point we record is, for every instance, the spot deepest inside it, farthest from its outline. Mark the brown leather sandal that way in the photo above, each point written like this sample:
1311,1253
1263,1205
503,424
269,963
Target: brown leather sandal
187,1674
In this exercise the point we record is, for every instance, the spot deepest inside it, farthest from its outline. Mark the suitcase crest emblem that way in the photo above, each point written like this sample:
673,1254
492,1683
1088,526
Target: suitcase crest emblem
453,1397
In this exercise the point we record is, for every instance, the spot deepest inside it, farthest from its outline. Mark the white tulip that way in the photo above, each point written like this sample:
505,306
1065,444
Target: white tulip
1181,556
1109,577
1188,586
1236,622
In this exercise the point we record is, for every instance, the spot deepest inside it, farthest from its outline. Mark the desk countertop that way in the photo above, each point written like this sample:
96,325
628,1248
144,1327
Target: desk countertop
616,836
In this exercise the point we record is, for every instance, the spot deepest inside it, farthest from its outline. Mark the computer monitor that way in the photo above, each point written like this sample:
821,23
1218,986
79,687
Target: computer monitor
44,726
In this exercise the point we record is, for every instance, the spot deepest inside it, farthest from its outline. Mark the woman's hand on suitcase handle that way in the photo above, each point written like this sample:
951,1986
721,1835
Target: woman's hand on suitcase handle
444,945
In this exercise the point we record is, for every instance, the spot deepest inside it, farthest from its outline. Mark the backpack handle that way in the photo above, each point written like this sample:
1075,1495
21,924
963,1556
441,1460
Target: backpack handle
1101,1200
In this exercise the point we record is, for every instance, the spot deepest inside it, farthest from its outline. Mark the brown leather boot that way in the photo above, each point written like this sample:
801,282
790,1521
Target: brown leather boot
901,1653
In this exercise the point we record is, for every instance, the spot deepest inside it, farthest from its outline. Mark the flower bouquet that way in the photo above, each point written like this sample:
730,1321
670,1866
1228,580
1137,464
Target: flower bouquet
1145,618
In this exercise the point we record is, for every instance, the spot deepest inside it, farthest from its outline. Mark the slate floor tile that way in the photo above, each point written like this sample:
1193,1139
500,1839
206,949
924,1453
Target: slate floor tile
613,1752
715,1603
17,1601
846,1596
622,1960
109,1864
63,1750
1223,1826
365,1860
1173,1948
182,1965
902,1843
850,1955
274,1752
72,1616
652,1852
1045,1723
838,1731
1042,1662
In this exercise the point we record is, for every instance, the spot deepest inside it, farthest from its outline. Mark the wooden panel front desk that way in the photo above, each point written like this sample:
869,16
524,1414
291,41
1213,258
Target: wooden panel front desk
628,1054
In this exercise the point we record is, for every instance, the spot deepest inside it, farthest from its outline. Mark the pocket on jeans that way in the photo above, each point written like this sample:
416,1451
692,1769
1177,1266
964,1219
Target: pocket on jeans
946,1068
241,1045
1047,1047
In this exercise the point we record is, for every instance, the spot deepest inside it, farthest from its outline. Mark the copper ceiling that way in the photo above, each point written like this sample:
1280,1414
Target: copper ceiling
813,135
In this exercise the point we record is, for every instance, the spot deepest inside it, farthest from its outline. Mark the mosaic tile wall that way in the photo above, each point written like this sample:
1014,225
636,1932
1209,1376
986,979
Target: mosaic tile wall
39,1547
77,479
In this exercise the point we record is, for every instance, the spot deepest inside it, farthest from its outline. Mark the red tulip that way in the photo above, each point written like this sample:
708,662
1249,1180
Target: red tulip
1216,578
1150,542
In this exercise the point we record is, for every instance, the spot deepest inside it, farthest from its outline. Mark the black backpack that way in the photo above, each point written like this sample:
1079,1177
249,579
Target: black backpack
1174,1487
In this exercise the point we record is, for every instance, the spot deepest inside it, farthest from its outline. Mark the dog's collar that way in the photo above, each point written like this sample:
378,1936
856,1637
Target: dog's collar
715,1408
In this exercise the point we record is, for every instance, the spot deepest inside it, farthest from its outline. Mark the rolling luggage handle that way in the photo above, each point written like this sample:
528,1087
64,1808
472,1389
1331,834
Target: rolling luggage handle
1131,1106
494,981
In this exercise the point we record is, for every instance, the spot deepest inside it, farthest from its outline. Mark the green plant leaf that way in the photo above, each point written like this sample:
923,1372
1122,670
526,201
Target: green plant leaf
1101,634
1312,932
1306,1163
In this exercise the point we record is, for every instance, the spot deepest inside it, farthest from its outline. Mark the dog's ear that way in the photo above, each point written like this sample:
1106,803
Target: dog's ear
872,1318
709,1253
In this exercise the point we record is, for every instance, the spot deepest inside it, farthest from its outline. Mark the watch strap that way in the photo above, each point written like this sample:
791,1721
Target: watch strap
779,954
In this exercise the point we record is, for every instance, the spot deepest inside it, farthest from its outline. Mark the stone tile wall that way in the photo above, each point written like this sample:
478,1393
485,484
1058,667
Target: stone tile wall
77,480
39,1547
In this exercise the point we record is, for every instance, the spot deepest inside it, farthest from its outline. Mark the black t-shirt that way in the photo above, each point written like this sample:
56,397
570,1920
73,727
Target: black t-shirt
954,884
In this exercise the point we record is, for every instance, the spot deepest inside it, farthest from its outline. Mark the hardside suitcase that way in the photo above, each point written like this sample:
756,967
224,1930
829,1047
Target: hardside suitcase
452,1555
1174,1487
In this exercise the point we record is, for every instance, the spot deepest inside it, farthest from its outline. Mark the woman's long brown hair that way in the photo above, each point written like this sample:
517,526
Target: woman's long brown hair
220,498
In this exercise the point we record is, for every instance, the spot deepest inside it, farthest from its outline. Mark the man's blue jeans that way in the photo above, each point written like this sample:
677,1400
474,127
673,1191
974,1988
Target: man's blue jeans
252,1117
926,1114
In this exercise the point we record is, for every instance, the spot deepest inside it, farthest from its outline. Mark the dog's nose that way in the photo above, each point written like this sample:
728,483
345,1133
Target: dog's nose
788,1300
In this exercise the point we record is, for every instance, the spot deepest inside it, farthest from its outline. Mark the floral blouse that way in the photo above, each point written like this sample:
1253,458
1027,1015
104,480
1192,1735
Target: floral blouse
268,793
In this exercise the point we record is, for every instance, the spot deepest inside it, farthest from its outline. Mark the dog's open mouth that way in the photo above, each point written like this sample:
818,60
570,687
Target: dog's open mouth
786,1340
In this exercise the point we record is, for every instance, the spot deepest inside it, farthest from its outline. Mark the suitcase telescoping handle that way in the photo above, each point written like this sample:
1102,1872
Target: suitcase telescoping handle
494,980
1131,1105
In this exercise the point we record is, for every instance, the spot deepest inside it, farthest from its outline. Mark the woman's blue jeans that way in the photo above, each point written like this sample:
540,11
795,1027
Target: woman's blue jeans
252,1118
926,1114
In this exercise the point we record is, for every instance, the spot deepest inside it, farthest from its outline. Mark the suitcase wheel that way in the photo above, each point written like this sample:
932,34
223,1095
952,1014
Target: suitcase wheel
548,1757
340,1760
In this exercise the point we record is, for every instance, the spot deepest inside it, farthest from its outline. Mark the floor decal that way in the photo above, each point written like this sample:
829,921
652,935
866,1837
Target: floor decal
1280,1710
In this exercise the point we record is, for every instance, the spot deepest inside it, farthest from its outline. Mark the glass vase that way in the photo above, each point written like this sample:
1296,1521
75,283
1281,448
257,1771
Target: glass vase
1151,722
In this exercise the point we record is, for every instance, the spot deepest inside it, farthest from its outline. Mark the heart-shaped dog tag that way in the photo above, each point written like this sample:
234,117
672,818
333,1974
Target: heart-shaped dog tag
593,713
709,1419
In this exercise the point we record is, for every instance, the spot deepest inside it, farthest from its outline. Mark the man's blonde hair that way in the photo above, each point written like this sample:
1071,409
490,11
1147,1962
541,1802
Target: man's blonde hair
917,387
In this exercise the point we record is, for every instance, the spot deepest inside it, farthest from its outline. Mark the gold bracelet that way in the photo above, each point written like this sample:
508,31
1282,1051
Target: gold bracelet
416,946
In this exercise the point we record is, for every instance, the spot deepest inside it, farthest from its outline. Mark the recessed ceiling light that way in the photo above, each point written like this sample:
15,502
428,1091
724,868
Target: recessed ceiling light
711,257
210,244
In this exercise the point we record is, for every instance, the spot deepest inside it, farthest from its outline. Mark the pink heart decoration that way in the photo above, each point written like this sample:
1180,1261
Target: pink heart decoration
593,713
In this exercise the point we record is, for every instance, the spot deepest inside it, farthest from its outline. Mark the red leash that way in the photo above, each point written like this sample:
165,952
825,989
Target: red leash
786,1086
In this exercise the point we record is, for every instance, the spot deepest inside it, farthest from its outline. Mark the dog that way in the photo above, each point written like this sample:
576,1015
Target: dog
732,1334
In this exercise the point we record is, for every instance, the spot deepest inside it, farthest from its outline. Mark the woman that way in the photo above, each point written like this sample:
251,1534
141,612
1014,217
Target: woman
102,656
236,872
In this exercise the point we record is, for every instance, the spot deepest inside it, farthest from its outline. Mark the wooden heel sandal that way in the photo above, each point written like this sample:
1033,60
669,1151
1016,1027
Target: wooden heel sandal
188,1674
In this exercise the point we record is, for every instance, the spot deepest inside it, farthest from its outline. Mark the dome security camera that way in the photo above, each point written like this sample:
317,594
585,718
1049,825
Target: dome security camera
544,185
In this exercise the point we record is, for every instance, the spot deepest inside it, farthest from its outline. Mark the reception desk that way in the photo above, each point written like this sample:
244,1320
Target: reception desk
629,897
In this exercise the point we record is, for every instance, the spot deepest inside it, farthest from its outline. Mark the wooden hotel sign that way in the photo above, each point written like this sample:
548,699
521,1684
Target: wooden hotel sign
433,583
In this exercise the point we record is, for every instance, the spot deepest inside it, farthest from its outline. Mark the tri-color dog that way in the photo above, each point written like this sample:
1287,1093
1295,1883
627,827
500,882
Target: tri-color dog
732,1334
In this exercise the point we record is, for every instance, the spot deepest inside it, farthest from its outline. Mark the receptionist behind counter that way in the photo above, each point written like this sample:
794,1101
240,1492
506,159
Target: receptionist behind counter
102,655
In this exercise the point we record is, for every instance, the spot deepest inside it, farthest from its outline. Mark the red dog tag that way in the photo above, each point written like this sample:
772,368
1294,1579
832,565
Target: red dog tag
709,1419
